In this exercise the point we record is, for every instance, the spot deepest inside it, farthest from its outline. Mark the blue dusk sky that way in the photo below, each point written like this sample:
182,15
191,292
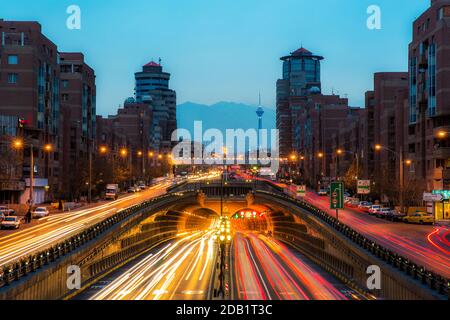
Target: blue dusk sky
229,50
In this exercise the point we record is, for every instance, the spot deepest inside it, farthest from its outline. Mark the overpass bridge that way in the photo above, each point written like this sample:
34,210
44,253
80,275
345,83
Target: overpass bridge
140,233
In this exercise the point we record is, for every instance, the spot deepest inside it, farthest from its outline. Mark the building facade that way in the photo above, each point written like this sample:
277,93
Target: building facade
30,90
152,84
78,106
429,96
300,78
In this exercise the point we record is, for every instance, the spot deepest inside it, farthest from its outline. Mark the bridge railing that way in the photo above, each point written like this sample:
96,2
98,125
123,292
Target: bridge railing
33,262
428,278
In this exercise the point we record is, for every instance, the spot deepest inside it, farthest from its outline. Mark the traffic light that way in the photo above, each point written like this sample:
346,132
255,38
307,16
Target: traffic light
21,123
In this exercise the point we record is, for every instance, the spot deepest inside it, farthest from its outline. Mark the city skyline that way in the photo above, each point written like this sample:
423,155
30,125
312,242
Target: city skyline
234,45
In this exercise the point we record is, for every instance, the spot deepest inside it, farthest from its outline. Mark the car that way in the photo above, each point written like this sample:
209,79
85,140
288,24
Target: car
365,206
374,209
10,222
2,217
7,211
395,215
40,212
131,190
419,217
142,186
383,212
322,192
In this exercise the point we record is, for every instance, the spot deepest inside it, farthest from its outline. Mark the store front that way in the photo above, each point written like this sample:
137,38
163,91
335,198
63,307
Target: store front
441,205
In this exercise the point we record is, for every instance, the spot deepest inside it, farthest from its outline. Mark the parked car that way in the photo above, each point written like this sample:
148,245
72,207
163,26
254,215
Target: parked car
142,186
374,209
7,211
419,217
322,192
395,215
40,212
383,212
131,190
365,205
10,222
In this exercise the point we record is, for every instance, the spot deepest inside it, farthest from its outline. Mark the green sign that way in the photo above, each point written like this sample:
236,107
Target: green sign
337,195
445,193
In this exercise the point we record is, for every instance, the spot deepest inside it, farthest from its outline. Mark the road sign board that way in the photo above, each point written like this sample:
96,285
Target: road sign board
363,187
430,197
337,195
301,191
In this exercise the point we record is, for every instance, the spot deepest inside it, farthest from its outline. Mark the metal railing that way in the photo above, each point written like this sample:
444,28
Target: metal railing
26,265
419,273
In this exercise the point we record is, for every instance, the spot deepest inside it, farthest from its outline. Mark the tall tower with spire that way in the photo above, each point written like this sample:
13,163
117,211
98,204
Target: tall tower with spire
259,113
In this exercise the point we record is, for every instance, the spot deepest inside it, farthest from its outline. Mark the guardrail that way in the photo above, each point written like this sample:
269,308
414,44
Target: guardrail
419,273
20,268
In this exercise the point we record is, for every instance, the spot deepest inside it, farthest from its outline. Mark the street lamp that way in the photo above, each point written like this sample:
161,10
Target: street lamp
379,147
20,144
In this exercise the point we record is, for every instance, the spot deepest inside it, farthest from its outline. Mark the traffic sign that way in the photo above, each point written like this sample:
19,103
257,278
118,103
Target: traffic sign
337,195
301,191
430,197
363,187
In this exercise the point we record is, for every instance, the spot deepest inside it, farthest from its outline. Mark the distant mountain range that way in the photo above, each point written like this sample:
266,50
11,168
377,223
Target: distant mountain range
222,116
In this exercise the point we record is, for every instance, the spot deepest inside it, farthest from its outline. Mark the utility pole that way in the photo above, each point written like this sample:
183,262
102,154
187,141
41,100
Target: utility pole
401,178
31,176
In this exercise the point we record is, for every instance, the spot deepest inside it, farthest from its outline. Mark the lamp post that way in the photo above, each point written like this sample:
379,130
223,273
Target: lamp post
379,147
340,152
20,144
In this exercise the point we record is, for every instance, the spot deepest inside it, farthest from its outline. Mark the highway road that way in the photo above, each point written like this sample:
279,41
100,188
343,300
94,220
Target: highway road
180,269
428,246
424,245
267,269
47,231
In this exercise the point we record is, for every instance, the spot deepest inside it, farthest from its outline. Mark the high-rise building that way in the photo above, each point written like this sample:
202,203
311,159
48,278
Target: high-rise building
152,84
29,89
78,105
429,97
301,78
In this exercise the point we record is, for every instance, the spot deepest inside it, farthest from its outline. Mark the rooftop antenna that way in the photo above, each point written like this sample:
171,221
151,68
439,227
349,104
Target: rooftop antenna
159,60
259,97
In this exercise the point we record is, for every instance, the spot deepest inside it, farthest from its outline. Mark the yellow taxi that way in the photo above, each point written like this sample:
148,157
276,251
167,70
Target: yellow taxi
419,217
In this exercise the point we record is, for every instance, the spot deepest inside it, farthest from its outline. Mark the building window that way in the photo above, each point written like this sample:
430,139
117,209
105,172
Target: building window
65,83
432,80
12,78
13,59
413,90
444,12
64,97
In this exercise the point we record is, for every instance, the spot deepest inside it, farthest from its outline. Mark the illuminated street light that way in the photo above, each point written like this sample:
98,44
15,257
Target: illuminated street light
151,154
139,153
18,143
408,162
293,157
320,154
378,147
123,152
160,156
442,134
339,151
103,149
48,147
